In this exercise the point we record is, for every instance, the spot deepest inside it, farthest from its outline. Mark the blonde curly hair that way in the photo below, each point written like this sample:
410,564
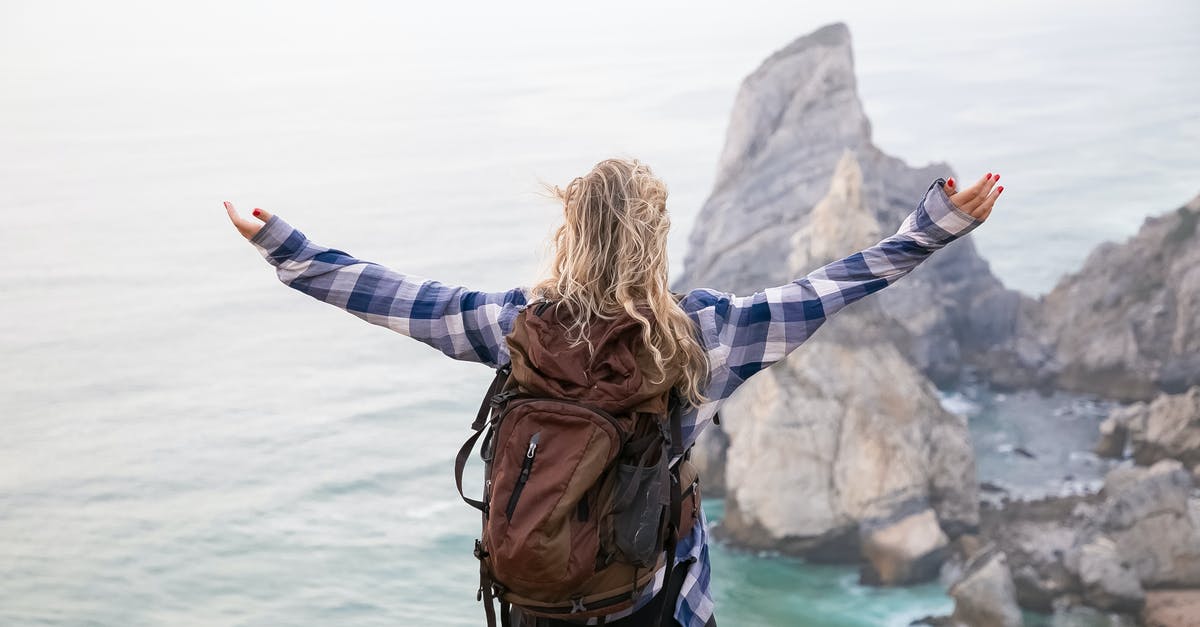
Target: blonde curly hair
610,255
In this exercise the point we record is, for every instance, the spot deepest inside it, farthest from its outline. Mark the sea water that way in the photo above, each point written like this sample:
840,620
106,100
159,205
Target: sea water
185,441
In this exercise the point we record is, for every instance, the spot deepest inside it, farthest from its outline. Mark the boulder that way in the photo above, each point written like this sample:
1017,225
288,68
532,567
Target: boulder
1114,430
1147,515
906,550
1108,582
1070,612
1171,608
985,596
1035,537
1168,428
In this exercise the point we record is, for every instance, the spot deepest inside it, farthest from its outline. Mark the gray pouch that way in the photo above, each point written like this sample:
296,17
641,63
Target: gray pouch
642,498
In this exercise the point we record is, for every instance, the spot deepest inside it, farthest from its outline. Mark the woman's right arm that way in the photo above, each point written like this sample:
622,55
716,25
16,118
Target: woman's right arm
745,334
464,324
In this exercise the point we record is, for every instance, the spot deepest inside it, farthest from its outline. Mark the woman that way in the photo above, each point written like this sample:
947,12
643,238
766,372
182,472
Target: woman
609,254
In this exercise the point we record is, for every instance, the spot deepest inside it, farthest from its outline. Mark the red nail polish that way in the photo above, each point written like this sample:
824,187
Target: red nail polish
989,177
997,177
256,212
999,189
950,182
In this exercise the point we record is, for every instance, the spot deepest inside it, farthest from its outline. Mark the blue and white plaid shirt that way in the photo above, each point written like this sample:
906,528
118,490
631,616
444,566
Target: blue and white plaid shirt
742,334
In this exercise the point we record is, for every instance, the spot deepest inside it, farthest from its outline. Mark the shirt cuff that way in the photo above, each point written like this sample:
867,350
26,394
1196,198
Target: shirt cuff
273,234
951,221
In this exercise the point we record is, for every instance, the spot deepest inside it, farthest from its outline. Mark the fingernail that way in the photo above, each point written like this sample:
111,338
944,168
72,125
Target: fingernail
256,212
997,177
989,177
999,189
950,182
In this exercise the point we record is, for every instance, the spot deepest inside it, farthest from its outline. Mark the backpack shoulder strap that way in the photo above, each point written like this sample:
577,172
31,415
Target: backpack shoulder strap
460,462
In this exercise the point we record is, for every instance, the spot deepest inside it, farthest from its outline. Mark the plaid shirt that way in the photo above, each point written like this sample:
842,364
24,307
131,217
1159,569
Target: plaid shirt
742,334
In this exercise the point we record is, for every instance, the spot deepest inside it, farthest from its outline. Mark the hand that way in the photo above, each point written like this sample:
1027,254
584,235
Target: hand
977,199
247,227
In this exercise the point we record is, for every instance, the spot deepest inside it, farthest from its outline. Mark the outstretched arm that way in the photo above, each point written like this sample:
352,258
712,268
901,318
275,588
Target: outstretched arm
745,334
464,324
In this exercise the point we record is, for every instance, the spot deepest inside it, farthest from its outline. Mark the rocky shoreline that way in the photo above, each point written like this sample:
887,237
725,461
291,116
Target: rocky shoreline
844,451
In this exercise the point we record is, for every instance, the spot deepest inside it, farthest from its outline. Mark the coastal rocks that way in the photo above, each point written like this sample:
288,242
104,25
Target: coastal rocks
842,448
1035,536
1172,608
985,596
1114,431
903,551
1146,514
1166,428
1108,582
1108,550
1125,326
793,120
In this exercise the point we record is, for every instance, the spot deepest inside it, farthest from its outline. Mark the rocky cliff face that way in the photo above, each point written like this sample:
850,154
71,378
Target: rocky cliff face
791,122
1126,325
831,451
843,448
842,452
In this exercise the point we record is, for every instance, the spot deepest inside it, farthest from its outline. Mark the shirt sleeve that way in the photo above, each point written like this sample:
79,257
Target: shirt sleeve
745,334
464,324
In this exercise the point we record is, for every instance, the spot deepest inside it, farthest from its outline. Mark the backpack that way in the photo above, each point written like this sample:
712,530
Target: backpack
581,504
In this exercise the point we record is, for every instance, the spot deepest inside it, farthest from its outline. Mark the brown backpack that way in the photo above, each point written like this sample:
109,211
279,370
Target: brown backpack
581,505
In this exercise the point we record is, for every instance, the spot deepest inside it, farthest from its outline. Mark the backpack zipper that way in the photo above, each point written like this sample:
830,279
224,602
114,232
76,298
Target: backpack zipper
524,477
518,398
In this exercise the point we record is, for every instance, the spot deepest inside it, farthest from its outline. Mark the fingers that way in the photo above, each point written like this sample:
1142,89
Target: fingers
985,208
247,227
972,199
973,205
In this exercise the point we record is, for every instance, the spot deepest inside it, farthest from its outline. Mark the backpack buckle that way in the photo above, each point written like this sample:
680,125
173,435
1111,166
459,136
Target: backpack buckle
500,398
577,605
480,554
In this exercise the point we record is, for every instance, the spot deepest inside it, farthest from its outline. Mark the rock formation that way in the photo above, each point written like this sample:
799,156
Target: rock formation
1166,428
842,450
1108,550
792,120
985,594
844,446
1125,326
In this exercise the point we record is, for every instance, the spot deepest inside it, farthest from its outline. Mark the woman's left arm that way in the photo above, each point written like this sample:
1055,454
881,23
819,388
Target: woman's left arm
745,334
465,324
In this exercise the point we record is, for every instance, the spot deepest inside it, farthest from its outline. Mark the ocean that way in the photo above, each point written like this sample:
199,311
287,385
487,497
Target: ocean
185,441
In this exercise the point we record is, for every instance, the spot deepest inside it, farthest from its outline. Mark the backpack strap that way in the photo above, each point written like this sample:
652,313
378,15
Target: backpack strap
673,581
460,462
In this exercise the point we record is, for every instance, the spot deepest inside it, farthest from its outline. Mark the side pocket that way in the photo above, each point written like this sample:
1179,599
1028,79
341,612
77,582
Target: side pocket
641,500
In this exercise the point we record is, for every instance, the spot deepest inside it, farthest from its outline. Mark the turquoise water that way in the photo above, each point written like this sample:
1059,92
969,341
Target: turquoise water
185,441
756,590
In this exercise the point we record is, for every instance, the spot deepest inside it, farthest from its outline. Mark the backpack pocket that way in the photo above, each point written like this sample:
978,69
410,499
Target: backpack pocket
548,454
640,500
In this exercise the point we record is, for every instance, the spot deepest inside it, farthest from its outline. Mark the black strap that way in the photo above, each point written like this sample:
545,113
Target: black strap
675,411
460,462
505,614
497,384
671,589
672,539
481,417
